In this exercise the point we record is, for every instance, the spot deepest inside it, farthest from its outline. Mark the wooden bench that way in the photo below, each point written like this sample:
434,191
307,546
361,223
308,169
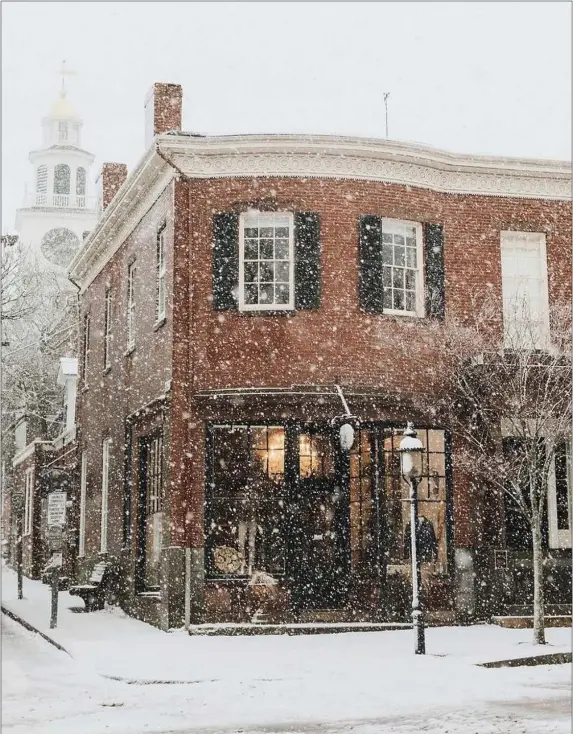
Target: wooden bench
93,593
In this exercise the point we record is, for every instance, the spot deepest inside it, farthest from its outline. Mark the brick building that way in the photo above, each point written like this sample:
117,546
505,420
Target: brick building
229,286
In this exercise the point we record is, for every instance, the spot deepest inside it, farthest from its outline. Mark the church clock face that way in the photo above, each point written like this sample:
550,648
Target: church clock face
59,246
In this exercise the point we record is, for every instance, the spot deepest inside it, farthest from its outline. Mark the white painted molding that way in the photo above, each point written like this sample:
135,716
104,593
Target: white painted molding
370,160
296,156
28,450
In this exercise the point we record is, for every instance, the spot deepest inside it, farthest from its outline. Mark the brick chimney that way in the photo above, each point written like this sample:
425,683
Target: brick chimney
108,182
163,109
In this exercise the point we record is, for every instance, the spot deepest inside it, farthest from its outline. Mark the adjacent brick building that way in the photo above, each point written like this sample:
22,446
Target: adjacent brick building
229,286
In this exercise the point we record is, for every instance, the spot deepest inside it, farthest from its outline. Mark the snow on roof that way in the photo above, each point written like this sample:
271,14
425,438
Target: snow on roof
68,368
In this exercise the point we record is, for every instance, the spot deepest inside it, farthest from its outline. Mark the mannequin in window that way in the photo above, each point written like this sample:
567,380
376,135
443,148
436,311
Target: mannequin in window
427,543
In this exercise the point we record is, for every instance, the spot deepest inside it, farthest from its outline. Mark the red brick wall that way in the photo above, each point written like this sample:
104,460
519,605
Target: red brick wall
339,343
134,379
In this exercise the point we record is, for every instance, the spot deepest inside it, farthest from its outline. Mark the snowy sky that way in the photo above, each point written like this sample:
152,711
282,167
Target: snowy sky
467,77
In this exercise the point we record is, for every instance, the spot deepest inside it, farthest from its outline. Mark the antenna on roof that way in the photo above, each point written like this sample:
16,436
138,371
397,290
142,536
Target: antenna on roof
386,95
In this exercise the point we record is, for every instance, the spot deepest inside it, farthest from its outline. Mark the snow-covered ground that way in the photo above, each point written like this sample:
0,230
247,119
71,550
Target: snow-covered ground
367,683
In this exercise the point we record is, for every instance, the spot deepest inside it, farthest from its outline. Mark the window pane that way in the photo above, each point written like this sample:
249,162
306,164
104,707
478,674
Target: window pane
251,232
267,272
281,232
410,280
266,294
251,294
398,300
251,272
388,298
251,249
266,249
398,239
398,278
266,232
411,257
282,272
410,301
387,254
399,256
282,294
281,249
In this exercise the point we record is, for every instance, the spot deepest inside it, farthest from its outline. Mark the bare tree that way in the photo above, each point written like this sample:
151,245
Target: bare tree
509,380
19,280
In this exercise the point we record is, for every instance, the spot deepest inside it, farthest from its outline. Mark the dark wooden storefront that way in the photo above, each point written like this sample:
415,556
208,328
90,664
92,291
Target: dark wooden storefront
329,527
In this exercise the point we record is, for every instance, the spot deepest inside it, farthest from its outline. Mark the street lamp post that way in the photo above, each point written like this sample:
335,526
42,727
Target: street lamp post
411,449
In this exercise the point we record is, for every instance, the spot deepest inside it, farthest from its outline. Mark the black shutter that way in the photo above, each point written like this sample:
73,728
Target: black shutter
306,260
370,288
435,277
225,261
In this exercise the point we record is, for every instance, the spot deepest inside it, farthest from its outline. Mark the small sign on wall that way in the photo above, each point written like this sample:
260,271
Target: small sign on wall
57,508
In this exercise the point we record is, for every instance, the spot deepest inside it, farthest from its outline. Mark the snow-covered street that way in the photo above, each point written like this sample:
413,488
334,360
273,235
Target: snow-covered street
44,690
364,682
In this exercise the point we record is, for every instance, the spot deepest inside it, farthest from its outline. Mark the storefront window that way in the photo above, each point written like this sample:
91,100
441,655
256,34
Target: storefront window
361,473
431,500
245,517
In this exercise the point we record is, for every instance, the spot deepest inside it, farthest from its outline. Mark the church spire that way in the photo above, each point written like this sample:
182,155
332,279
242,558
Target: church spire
64,72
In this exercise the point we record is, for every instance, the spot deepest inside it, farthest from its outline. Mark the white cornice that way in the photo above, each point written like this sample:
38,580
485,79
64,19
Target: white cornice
310,157
367,159
134,198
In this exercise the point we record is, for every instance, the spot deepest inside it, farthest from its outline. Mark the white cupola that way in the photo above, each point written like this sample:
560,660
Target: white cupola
59,206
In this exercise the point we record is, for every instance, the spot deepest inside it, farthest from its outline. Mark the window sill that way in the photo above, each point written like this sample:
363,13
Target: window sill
158,324
267,312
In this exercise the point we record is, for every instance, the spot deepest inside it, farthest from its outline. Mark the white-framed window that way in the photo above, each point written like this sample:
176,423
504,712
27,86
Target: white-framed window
266,261
154,474
106,445
107,335
160,265
83,498
86,350
402,263
524,288
131,306
559,498
29,502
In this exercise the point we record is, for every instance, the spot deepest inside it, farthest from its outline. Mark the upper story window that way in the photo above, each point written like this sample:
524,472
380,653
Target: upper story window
266,261
86,350
524,287
62,179
29,502
81,181
161,295
401,267
402,272
107,335
131,306
62,132
559,498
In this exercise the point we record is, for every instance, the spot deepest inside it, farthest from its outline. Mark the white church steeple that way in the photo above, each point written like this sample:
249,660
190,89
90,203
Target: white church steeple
60,207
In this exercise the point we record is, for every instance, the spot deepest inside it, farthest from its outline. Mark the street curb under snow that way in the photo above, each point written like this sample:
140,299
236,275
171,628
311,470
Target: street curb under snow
31,628
548,659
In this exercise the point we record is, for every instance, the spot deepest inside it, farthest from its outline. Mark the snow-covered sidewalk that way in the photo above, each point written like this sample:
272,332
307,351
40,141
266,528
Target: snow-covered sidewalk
256,681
